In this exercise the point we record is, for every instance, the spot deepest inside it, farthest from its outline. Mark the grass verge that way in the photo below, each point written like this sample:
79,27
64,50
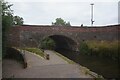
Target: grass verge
36,51
65,58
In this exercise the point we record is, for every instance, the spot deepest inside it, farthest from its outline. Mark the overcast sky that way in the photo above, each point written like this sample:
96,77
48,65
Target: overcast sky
77,12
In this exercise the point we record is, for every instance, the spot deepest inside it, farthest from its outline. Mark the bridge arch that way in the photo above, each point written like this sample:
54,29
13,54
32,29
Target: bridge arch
63,42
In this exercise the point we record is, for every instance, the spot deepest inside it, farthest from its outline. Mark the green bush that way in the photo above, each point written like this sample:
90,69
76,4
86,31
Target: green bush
84,49
48,43
108,49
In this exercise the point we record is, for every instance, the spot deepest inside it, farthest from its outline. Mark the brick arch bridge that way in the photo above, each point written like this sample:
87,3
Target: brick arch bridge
65,37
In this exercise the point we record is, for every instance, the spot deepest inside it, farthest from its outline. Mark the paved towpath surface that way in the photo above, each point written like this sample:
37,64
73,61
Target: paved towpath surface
35,60
38,67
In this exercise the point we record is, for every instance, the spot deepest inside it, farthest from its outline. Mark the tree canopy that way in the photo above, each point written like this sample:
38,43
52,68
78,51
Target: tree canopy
7,15
17,20
60,22
8,19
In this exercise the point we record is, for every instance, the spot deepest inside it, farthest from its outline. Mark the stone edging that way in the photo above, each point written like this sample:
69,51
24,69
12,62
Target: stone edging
93,74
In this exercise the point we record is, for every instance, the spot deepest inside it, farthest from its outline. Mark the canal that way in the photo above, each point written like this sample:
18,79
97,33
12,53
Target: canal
102,66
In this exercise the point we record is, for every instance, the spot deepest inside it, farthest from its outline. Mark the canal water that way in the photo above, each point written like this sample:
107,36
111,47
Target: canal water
102,66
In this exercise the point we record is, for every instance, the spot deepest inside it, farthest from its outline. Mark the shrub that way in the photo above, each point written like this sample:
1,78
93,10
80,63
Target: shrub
84,48
101,48
48,43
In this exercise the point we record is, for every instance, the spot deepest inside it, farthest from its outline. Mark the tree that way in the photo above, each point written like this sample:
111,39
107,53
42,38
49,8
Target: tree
60,22
8,20
17,20
7,16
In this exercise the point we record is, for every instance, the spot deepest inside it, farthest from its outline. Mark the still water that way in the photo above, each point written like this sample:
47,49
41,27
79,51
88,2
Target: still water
102,66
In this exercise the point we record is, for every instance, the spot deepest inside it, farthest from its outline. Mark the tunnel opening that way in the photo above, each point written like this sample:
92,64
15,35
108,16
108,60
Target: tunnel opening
63,42
63,45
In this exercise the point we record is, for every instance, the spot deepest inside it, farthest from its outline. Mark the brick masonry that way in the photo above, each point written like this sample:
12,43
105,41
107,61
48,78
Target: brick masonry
19,36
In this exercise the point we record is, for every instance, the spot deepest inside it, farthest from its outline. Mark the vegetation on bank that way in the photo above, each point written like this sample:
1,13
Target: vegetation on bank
108,49
36,51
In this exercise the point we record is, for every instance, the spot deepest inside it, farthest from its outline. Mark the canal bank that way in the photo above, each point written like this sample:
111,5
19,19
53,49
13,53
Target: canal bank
102,66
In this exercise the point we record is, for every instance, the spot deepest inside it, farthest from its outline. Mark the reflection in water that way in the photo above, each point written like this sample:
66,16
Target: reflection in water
103,66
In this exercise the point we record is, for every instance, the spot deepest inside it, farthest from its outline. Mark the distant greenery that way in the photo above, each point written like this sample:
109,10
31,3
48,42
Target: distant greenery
48,43
60,22
101,48
36,51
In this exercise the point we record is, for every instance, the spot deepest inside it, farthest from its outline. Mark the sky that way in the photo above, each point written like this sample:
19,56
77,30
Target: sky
77,12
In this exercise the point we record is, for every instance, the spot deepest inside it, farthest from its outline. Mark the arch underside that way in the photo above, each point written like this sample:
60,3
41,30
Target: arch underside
63,42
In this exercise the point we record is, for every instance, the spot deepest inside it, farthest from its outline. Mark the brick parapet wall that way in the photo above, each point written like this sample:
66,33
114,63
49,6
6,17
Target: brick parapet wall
76,33
71,29
14,37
